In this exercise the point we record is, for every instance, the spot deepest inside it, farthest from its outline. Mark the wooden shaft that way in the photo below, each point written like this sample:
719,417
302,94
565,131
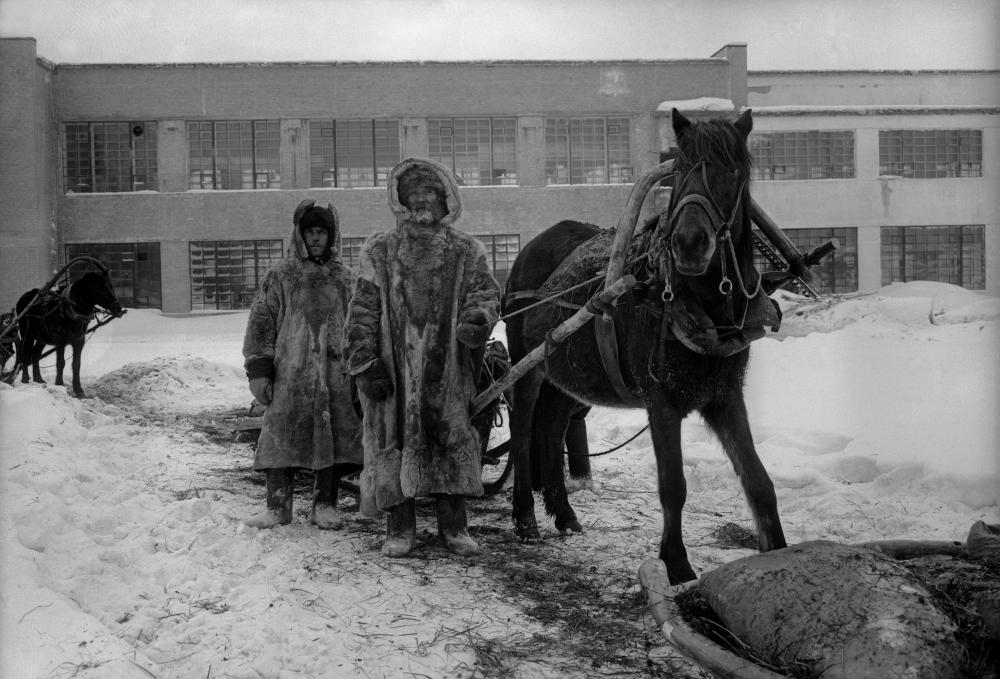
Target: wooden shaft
780,240
630,216
555,337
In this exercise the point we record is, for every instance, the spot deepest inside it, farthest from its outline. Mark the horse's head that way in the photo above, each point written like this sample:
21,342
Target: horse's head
710,179
95,289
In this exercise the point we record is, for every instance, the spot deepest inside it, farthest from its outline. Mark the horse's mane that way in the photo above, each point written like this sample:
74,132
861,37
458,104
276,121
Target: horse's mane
716,141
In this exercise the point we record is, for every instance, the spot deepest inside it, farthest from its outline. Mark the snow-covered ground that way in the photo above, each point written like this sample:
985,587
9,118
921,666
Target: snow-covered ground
122,552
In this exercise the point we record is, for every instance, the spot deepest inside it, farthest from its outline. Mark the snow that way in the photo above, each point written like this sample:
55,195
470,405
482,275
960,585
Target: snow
122,551
699,104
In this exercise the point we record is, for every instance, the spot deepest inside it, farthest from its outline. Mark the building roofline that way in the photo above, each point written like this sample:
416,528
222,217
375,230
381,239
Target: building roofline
952,71
876,110
475,62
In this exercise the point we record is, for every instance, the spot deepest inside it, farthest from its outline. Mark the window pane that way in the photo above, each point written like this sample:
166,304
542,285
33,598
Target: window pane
925,154
355,153
110,156
589,150
949,254
322,161
225,274
810,154
556,151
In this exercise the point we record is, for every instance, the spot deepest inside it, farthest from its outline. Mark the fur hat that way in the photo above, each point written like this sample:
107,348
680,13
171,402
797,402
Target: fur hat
415,177
316,216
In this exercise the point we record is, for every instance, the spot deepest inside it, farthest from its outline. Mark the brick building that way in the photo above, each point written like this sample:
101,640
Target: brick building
182,177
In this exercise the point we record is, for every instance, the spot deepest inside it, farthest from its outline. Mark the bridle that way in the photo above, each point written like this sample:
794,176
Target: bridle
721,224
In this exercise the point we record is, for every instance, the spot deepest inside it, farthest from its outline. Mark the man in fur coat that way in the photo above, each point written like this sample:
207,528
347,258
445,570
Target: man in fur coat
423,308
292,347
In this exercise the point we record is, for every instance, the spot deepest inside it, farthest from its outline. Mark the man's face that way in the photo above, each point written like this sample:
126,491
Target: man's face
317,239
426,205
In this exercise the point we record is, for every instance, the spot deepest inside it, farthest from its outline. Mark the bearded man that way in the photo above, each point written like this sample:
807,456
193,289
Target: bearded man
423,308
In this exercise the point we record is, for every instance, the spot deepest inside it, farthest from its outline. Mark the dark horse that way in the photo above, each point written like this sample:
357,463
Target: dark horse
60,317
682,333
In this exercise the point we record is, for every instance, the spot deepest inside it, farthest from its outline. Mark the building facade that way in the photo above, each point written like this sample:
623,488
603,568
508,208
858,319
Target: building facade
183,177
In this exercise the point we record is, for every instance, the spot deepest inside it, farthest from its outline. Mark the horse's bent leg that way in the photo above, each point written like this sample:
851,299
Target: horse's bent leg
665,428
77,357
730,423
522,415
24,354
60,363
552,412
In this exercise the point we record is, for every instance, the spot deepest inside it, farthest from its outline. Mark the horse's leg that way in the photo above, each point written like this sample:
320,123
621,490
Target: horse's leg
552,411
37,347
730,423
60,363
77,357
522,415
665,429
24,350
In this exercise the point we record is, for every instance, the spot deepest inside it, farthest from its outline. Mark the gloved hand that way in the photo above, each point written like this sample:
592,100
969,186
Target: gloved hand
473,331
262,389
374,382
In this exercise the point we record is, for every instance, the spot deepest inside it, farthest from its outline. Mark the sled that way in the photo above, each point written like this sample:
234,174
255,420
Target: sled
9,320
726,657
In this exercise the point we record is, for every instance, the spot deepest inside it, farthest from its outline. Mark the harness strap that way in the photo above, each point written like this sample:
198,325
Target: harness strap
607,342
535,295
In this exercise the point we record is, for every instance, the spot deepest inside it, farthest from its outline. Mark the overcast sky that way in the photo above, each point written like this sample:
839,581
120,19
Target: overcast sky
780,34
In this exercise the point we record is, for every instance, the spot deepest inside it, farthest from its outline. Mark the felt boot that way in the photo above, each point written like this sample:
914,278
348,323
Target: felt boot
453,526
324,512
280,485
578,453
401,530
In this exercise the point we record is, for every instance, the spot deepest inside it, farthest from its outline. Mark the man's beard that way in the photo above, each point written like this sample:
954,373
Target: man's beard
425,216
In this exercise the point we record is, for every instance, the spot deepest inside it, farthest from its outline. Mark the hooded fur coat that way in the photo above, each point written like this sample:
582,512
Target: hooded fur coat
415,285
297,320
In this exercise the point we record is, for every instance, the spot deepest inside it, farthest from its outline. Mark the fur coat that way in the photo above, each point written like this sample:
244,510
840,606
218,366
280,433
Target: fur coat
415,285
297,321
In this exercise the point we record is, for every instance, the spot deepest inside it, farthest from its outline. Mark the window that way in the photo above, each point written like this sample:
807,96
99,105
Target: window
812,154
350,250
134,269
592,150
838,272
225,274
106,157
949,254
501,250
480,151
922,154
234,154
352,153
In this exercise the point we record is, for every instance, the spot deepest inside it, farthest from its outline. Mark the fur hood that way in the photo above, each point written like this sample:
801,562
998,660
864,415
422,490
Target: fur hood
453,202
327,216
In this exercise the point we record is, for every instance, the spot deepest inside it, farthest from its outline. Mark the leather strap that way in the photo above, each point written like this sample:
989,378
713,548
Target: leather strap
604,331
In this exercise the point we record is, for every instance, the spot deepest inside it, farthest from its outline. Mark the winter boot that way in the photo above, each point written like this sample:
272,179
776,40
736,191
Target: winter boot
280,485
578,454
401,530
324,512
453,525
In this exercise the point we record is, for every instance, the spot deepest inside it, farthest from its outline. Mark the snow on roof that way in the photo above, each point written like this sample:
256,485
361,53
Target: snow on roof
699,104
874,109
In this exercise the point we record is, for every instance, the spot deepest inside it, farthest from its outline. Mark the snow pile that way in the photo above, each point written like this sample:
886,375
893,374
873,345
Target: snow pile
123,553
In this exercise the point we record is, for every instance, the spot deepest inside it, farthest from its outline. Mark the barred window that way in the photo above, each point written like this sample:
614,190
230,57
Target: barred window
134,270
350,250
225,274
480,151
929,154
110,156
352,153
592,150
811,154
501,251
949,254
234,154
838,272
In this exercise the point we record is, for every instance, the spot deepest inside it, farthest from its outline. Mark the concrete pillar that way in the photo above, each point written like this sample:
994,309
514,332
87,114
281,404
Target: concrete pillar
172,156
531,151
175,276
413,138
294,165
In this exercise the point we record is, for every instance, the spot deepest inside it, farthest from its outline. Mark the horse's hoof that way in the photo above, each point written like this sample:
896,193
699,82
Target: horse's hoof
528,533
572,526
679,574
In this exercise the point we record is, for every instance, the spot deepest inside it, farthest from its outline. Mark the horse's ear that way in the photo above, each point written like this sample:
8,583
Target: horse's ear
680,123
744,123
